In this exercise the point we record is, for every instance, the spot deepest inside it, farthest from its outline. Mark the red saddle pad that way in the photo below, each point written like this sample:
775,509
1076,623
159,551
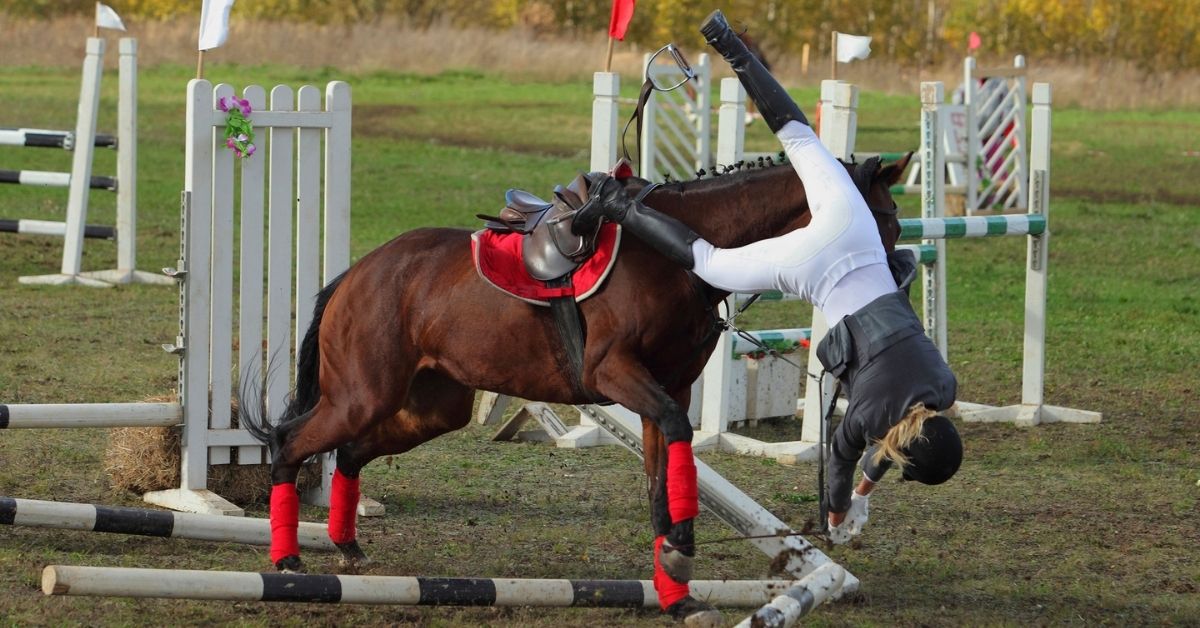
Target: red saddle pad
498,260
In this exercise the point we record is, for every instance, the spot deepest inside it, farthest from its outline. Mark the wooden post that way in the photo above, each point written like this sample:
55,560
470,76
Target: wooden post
608,59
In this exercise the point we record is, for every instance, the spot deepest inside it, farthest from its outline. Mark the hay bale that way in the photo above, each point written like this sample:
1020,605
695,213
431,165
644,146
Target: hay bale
956,205
144,459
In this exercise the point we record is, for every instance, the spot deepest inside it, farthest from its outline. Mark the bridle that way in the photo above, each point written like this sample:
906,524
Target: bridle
649,87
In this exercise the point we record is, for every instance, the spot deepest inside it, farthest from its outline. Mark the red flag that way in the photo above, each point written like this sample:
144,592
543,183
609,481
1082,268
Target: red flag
973,41
622,12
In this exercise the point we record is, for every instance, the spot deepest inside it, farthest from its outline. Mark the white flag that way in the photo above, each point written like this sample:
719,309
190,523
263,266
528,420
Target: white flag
851,47
107,18
214,23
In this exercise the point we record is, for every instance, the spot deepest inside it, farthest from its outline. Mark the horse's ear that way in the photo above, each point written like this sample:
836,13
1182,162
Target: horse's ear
891,173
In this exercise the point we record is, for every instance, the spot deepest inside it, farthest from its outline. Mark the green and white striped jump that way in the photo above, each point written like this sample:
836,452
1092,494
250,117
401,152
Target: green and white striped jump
972,226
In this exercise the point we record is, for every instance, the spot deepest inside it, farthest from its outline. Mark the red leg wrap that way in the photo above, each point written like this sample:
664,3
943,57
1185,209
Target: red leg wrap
343,506
285,521
683,498
669,591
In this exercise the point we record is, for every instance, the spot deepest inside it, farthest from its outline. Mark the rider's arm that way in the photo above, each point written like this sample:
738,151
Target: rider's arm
845,448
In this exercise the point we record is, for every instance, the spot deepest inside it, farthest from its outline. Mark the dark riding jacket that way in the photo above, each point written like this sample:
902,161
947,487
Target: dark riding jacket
886,364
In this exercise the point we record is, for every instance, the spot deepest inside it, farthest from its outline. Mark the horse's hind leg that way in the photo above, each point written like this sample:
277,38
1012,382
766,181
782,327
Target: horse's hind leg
327,427
436,405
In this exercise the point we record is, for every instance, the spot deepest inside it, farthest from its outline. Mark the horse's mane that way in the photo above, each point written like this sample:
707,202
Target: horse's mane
739,171
862,173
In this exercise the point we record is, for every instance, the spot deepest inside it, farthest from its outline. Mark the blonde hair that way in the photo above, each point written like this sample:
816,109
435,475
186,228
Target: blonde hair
902,434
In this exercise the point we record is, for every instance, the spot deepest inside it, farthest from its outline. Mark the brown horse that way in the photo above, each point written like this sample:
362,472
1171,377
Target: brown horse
400,343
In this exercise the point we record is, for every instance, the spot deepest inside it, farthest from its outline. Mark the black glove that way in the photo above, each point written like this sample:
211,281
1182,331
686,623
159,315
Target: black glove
606,199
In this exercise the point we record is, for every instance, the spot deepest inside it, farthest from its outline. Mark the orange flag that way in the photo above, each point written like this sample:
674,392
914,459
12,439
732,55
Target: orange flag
622,12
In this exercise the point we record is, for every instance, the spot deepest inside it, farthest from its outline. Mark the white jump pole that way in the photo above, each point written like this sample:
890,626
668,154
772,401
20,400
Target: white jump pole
807,594
56,415
181,584
143,522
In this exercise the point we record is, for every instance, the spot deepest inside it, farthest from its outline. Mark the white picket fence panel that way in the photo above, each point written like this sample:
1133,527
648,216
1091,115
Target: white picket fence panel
302,172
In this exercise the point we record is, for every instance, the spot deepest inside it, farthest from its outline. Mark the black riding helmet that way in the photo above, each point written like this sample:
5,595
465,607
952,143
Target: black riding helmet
936,455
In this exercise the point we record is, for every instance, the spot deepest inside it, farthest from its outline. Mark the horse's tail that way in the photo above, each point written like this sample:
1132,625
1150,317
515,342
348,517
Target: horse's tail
253,417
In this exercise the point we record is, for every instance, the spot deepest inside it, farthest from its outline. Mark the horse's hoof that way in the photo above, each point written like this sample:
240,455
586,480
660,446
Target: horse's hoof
697,614
290,564
677,564
352,555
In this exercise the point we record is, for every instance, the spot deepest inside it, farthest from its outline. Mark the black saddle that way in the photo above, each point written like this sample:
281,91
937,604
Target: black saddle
548,247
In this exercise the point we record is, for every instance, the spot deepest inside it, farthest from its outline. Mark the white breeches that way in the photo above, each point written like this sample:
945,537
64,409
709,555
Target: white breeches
837,262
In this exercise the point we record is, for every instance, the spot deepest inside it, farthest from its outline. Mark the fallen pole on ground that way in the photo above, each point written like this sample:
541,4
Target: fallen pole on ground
799,600
396,590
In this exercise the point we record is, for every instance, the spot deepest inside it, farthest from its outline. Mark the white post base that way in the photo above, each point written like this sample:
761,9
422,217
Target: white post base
368,507
790,452
128,276
200,501
63,280
1023,415
491,407
579,437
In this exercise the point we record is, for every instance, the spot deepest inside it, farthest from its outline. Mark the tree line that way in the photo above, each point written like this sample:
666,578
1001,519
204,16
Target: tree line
1158,35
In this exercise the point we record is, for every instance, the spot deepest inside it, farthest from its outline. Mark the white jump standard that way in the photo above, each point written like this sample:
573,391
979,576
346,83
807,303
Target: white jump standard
54,179
390,590
82,142
935,228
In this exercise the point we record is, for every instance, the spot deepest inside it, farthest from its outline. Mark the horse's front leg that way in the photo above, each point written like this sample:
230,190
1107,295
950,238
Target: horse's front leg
671,470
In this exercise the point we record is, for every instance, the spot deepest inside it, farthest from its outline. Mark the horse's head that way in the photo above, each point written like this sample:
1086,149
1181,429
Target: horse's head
874,181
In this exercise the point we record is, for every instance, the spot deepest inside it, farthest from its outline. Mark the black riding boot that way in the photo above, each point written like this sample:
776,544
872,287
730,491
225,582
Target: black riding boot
665,234
776,107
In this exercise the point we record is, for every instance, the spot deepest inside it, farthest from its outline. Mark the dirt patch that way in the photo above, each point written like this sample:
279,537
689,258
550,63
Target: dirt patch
379,121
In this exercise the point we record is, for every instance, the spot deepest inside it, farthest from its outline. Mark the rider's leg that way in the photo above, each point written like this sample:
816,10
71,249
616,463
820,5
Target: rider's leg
608,199
776,107
826,181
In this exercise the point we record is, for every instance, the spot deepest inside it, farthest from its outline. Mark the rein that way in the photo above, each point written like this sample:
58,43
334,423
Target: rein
726,324
648,88
826,418
777,535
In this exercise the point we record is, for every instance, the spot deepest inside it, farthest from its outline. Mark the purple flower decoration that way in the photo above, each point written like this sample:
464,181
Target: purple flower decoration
226,103
239,132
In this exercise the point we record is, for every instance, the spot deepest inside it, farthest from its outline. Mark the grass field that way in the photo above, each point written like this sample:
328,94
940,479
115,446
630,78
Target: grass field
1058,524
